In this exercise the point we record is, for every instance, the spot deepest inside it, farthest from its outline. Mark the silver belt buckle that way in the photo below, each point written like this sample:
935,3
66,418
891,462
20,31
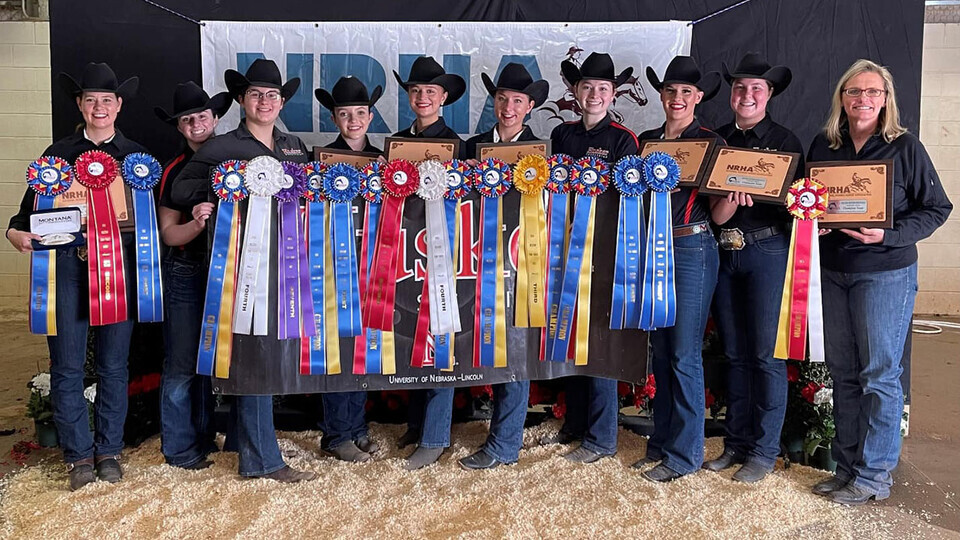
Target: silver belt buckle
731,239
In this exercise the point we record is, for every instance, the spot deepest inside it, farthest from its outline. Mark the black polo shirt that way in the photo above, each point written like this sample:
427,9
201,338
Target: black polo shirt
195,249
687,204
69,148
341,144
766,135
436,130
526,134
192,185
920,204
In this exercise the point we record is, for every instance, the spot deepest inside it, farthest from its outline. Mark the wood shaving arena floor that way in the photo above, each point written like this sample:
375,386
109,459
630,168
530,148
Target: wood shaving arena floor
543,496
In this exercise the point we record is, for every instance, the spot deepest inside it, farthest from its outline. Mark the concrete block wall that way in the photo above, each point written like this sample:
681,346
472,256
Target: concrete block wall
24,134
940,132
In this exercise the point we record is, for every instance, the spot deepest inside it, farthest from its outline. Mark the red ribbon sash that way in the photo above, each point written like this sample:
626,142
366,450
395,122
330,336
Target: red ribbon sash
801,286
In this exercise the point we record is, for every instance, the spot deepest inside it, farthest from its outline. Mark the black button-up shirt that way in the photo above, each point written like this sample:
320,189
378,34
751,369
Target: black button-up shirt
195,249
69,148
766,135
436,130
920,204
341,144
688,205
192,185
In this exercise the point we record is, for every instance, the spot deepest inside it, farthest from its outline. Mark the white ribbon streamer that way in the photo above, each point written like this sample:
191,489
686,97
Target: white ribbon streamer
815,302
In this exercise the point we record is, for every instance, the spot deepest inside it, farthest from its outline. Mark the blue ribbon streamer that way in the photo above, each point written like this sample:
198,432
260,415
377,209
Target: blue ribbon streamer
374,354
658,297
634,244
488,284
318,356
345,268
149,284
571,277
214,296
39,279
557,227
442,344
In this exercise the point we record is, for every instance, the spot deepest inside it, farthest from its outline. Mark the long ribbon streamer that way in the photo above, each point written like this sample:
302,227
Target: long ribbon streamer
313,347
49,177
558,226
492,182
658,297
342,184
142,172
531,174
625,307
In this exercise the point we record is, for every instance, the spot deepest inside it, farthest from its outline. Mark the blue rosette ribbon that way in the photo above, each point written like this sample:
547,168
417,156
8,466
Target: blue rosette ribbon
558,226
493,178
49,177
341,184
658,296
313,347
142,172
216,330
625,307
370,347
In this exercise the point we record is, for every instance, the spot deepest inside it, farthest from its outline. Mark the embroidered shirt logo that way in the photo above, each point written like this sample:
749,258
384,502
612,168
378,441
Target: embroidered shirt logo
292,151
601,153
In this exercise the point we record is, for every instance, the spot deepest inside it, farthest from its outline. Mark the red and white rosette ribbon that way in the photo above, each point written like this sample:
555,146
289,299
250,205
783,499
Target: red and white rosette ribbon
400,180
801,307
108,287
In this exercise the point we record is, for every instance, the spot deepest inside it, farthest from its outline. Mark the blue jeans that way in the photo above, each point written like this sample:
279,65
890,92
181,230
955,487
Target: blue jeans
746,309
866,320
343,418
256,437
677,355
592,408
68,351
186,399
430,414
510,402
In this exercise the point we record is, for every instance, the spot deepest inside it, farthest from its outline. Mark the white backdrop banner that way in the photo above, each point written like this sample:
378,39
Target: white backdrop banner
322,52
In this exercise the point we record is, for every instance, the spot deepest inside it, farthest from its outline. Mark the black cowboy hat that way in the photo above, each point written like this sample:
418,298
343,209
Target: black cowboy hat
189,98
98,78
597,66
426,70
347,92
753,66
515,77
263,73
684,70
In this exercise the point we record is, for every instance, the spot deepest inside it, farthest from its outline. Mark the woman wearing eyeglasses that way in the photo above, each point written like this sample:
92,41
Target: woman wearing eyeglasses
870,282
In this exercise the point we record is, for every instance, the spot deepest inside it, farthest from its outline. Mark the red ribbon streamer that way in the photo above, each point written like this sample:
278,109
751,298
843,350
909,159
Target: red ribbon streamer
801,287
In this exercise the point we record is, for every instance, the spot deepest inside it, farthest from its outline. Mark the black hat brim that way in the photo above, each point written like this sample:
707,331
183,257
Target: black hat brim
326,99
453,85
778,76
237,83
125,90
218,104
573,75
709,84
537,91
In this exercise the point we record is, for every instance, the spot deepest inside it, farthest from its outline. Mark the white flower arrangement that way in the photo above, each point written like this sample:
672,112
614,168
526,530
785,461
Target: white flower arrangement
40,383
823,395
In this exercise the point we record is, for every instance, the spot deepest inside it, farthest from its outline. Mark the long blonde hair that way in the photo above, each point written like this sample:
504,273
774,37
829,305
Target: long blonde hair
889,118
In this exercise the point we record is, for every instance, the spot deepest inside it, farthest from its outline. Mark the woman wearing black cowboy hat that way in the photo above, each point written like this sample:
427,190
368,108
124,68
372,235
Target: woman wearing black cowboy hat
186,399
515,95
262,93
592,403
99,97
678,408
753,260
345,433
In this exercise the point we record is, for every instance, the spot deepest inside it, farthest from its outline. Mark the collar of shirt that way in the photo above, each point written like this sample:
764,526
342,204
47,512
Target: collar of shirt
690,132
341,144
867,147
244,133
760,130
515,138
431,131
108,140
601,125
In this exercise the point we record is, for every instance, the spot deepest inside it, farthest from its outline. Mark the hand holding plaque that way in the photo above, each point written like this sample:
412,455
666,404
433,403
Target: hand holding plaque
861,193
763,174
692,155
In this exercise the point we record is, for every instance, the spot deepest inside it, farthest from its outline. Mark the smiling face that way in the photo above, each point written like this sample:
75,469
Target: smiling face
679,101
594,96
511,108
99,109
864,109
196,128
426,99
352,121
748,99
262,105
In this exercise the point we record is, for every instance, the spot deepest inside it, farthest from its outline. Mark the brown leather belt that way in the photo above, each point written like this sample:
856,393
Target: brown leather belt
690,230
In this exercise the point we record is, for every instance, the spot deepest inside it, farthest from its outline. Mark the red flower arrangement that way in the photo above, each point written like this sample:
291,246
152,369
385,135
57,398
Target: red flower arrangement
810,390
143,384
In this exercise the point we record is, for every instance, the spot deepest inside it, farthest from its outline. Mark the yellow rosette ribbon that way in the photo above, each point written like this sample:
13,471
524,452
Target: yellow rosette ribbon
530,177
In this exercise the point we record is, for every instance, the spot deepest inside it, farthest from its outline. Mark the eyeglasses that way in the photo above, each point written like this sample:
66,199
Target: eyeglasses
869,92
272,95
